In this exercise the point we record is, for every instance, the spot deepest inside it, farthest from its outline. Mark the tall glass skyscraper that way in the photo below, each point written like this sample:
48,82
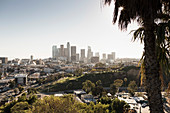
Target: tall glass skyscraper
54,52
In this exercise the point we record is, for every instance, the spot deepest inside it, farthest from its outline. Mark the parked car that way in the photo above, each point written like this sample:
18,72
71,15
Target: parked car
144,105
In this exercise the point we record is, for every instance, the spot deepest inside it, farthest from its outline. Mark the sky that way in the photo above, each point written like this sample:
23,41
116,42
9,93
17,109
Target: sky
32,27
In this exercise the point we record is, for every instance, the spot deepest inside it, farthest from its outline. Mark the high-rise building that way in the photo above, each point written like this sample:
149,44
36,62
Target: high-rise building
114,55
73,53
89,54
77,57
110,57
68,50
104,55
73,50
97,54
31,58
54,52
61,50
82,52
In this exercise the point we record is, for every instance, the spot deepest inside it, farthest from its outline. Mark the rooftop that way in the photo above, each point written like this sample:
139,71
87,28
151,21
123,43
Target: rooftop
21,75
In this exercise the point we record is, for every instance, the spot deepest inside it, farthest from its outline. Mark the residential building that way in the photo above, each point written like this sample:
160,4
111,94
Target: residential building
3,60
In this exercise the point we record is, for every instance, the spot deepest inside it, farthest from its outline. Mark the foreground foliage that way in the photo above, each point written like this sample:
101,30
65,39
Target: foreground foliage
66,104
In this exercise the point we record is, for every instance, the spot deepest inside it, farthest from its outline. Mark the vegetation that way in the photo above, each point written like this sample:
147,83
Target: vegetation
20,107
113,89
66,104
88,86
150,14
106,79
12,84
125,80
132,87
98,90
118,83
21,88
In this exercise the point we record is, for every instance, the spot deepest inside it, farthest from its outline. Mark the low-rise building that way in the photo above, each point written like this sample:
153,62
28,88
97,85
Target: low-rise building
21,79
94,59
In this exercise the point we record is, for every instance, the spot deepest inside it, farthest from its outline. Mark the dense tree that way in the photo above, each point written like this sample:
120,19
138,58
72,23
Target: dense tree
21,107
118,105
31,91
132,87
99,83
145,11
32,99
55,105
16,90
125,80
105,100
98,90
88,86
22,98
21,88
113,89
100,108
118,83
6,108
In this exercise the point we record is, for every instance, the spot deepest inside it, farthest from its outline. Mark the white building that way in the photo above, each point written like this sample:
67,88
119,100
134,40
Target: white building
21,79
54,52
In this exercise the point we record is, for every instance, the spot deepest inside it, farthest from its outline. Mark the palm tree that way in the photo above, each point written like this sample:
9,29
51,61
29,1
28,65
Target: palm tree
162,31
145,11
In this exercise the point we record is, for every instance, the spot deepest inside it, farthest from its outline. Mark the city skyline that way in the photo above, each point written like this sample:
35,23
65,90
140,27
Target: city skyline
29,31
70,53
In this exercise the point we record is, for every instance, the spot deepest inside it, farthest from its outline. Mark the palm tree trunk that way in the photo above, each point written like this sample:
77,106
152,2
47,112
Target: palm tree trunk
153,83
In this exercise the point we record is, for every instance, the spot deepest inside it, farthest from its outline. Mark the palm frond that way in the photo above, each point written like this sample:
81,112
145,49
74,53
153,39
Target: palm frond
138,34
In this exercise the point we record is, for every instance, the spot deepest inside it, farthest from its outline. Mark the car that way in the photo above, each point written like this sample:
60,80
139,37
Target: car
144,105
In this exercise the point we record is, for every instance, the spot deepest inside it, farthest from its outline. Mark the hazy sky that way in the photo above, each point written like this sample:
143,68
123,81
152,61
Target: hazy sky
31,27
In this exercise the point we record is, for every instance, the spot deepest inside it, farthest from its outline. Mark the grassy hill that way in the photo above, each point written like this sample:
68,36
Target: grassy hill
72,83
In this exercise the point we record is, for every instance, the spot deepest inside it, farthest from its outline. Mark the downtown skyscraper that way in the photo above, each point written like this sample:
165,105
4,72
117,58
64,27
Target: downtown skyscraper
73,53
55,52
68,52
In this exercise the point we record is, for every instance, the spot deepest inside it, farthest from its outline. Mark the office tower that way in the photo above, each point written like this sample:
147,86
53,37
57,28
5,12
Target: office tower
31,58
104,55
73,53
61,50
58,52
68,50
73,50
114,55
77,57
110,57
82,52
97,54
54,52
89,54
